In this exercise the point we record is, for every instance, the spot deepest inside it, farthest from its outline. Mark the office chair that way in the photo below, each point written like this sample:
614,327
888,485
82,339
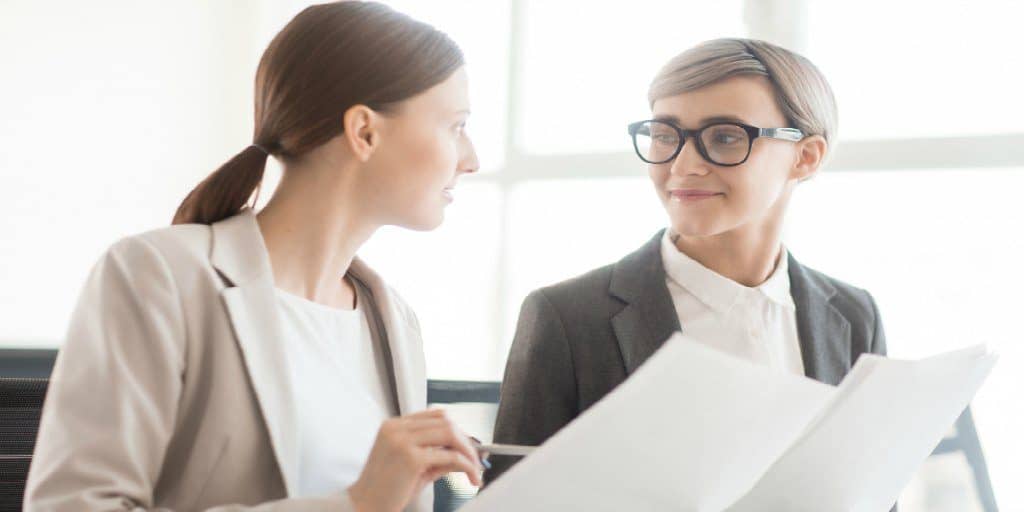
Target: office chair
21,402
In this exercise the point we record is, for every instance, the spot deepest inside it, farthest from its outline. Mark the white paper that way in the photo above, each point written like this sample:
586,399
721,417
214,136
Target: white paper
875,435
691,429
695,429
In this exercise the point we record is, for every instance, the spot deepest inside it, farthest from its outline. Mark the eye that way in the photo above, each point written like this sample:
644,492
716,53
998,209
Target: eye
725,138
663,135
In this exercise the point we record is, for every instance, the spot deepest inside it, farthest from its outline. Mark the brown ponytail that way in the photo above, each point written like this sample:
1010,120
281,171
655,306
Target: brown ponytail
327,59
224,193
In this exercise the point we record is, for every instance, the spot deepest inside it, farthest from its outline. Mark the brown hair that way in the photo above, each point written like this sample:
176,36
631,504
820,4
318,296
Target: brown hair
327,59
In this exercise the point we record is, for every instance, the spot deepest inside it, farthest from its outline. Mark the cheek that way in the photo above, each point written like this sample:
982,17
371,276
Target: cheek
433,158
427,167
756,185
659,176
421,160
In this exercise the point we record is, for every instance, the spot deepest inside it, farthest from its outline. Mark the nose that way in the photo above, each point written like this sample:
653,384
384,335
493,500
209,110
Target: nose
468,161
689,162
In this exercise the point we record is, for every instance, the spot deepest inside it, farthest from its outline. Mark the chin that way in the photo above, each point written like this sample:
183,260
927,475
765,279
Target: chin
697,228
425,222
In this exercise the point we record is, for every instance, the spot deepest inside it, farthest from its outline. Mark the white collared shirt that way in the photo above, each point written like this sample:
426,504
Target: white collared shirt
757,324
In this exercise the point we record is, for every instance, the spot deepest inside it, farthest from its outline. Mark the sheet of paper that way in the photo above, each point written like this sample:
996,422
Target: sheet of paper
692,429
873,437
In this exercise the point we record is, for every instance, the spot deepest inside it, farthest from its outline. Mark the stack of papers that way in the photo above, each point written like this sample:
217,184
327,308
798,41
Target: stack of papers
696,429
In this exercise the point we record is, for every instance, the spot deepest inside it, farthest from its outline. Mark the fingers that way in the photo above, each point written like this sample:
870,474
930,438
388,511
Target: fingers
441,462
447,449
427,414
422,424
446,435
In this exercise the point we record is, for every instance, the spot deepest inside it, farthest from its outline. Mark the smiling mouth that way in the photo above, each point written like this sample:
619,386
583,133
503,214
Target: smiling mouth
689,196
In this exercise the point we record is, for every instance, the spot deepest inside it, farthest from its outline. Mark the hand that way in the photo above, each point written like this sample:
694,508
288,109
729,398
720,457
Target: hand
411,452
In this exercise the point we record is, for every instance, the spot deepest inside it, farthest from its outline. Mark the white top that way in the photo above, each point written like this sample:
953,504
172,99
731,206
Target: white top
341,389
757,324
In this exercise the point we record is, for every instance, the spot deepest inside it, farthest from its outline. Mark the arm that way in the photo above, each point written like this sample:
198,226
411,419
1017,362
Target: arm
538,393
877,345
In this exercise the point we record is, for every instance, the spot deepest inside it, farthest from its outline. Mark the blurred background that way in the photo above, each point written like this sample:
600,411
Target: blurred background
111,111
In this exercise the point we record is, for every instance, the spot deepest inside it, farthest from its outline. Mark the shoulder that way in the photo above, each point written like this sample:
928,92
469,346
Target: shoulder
579,304
401,304
189,242
852,301
169,250
579,291
599,291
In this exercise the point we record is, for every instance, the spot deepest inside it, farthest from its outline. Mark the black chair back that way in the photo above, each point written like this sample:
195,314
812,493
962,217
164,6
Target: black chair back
21,402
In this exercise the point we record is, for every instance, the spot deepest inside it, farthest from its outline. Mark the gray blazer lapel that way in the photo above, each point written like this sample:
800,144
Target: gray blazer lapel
824,333
649,317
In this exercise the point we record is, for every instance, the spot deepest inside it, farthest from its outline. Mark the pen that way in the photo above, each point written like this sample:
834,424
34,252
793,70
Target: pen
506,449
480,453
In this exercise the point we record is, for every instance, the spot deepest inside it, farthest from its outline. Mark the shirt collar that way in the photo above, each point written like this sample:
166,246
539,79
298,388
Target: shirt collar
717,291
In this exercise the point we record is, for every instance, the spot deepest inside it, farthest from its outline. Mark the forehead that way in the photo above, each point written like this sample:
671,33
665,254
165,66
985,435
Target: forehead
749,99
451,95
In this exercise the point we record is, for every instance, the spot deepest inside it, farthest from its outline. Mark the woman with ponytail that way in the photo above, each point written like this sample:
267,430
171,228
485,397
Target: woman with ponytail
242,361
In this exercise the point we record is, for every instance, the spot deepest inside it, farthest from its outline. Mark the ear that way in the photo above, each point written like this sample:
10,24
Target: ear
361,130
810,155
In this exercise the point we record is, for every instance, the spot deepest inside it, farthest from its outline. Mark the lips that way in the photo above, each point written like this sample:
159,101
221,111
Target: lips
692,194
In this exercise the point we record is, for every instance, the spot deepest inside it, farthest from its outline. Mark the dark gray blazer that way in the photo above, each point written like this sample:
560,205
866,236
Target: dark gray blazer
579,339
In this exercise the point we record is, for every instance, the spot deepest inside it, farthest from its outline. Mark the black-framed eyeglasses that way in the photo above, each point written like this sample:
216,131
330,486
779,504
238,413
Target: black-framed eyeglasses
724,143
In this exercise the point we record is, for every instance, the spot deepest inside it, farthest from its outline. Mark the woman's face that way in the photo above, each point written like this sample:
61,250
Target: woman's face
703,199
423,150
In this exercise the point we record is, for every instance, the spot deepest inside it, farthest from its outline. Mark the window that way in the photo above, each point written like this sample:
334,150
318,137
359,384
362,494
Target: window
594,60
920,69
919,205
941,252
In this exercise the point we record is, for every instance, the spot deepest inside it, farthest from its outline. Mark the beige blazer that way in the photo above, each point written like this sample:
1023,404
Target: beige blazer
171,391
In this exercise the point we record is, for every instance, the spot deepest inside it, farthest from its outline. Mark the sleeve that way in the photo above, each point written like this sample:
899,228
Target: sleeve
113,396
538,393
877,345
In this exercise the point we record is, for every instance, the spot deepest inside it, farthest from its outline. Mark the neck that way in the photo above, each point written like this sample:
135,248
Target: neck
313,228
747,255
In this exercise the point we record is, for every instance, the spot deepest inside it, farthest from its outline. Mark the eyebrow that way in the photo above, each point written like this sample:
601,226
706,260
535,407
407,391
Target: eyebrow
703,122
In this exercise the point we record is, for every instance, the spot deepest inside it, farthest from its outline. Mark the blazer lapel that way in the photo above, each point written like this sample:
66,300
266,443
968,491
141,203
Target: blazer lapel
649,317
241,258
399,337
824,333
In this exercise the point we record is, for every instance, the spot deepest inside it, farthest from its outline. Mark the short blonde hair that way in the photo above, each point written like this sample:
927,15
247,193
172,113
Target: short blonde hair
801,90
